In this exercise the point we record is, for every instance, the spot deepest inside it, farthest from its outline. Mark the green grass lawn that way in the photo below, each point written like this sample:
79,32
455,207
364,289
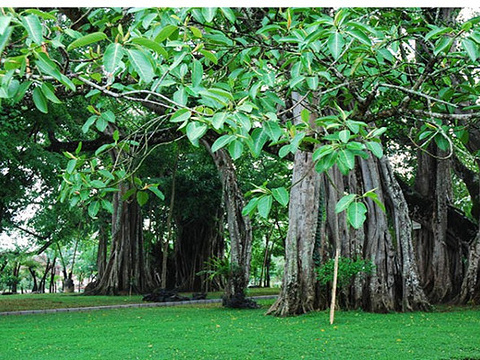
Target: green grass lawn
212,332
55,301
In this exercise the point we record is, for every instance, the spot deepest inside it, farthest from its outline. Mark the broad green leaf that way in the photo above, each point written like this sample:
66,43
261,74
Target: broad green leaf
142,197
305,116
40,13
39,100
157,192
229,14
273,130
373,195
141,64
71,166
437,31
165,33
98,184
335,44
264,205
235,149
93,208
90,121
196,31
103,148
312,82
210,56
346,158
180,96
284,151
471,48
250,207
344,136
356,214
112,57
218,120
34,28
322,151
360,36
258,140
4,23
4,38
195,131
281,195
87,40
181,116
326,162
376,148
442,142
222,141
107,205
49,93
442,45
197,73
101,123
106,174
344,202
153,45
209,13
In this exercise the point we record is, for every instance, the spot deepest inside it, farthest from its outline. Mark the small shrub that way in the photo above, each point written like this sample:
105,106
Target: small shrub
347,269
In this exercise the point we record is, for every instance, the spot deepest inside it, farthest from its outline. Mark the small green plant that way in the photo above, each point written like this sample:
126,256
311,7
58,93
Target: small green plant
347,269
216,267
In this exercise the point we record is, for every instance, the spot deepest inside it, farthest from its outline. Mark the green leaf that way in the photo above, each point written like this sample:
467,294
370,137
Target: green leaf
195,131
376,148
4,38
150,44
210,56
107,205
344,202
39,100
180,96
346,158
157,192
197,73
34,28
165,33
98,184
141,64
4,23
471,48
326,162
356,214
264,205
209,13
235,149
281,195
273,130
93,208
181,115
344,136
374,196
222,141
250,207
360,36
90,121
335,44
112,57
142,197
312,82
101,123
49,93
87,40
196,31
442,142
442,45
71,166
103,148
322,151
437,31
106,174
218,120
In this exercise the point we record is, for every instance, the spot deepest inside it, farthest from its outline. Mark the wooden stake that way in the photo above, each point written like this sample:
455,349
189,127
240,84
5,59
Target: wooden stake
334,286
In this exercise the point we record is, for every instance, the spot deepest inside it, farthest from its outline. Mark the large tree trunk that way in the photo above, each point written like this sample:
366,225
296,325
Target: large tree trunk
126,270
385,240
239,228
298,288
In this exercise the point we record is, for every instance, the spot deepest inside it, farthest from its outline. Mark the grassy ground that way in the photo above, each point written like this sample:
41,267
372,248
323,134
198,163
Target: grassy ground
55,301
212,332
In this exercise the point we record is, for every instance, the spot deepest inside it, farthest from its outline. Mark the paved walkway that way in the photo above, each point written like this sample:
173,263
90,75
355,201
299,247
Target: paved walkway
107,307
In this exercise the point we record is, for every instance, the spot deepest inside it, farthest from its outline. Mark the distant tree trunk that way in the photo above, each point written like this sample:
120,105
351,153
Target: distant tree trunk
239,227
125,271
197,242
51,288
16,272
298,288
34,278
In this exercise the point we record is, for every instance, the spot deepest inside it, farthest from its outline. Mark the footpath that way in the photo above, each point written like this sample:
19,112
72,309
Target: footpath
122,306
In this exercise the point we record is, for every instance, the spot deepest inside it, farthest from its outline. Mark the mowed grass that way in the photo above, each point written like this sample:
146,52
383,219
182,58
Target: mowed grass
56,301
213,332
